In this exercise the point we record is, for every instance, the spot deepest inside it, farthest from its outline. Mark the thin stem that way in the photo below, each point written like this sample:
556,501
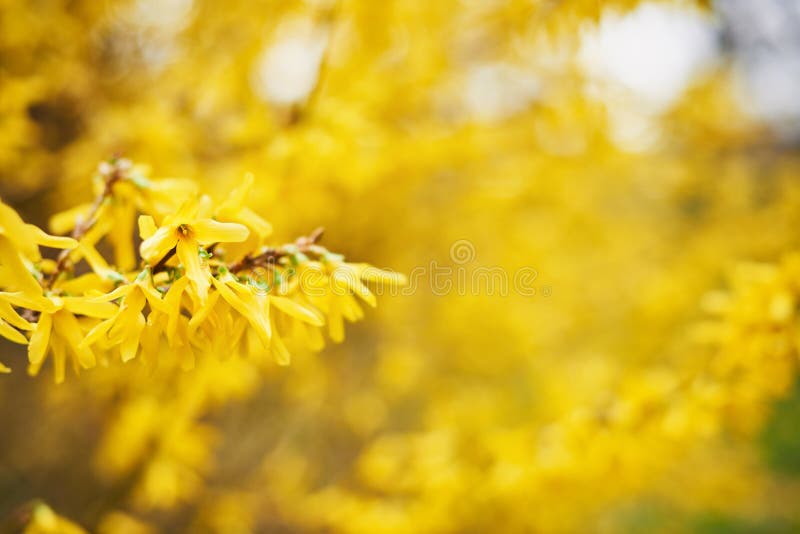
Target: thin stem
270,256
85,224
162,263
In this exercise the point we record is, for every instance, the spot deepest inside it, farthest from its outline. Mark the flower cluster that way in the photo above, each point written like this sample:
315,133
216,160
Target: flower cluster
206,282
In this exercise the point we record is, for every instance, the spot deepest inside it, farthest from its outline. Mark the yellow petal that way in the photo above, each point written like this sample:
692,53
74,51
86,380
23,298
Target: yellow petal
188,254
32,302
230,297
9,314
12,225
236,198
121,236
173,302
335,322
120,292
250,218
350,308
154,298
63,222
11,334
97,332
13,272
205,208
186,211
365,294
68,328
46,240
98,230
237,328
208,231
84,284
37,347
151,339
248,307
173,188
296,310
128,316
130,341
147,226
90,307
199,316
347,279
279,350
4,369
59,360
186,353
159,244
373,274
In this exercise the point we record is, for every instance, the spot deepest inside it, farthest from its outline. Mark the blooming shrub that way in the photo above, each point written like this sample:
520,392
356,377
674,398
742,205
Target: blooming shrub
595,211
204,270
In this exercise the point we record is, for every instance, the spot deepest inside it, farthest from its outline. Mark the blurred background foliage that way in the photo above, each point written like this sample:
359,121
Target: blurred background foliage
641,157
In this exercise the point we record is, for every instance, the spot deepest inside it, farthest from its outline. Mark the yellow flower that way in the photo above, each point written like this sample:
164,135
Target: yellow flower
125,327
116,215
249,304
331,284
18,248
186,231
58,330
256,288
253,304
233,209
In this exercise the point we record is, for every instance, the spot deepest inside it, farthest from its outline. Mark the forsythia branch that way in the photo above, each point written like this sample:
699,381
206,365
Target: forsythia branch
203,268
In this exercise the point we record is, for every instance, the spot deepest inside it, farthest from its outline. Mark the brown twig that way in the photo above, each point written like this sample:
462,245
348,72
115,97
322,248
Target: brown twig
162,263
270,256
31,316
114,174
312,238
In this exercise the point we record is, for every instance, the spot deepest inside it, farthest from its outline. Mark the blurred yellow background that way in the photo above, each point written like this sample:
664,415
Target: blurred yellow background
637,161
